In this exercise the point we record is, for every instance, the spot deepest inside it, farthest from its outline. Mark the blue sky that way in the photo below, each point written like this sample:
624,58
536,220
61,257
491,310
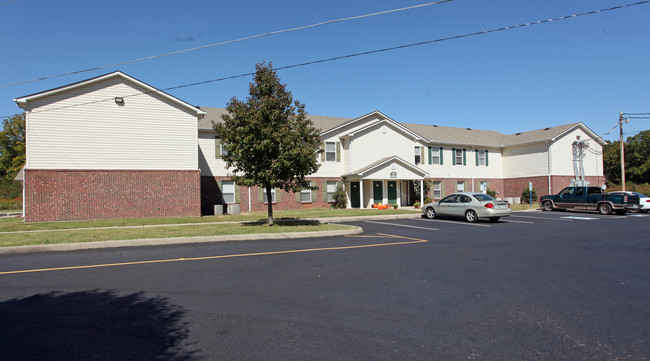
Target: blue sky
585,69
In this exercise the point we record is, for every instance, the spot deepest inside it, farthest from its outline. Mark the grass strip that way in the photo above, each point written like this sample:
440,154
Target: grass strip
93,235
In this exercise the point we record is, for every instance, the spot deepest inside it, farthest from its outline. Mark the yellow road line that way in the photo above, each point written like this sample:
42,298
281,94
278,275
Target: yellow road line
413,241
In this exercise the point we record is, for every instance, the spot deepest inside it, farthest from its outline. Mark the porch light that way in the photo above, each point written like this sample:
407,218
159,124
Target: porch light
119,100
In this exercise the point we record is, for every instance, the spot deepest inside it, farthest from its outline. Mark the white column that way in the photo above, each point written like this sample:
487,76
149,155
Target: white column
421,192
361,193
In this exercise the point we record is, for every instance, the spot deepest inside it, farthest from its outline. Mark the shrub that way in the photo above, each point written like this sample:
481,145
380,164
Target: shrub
427,200
10,189
525,195
491,192
340,199
16,203
416,204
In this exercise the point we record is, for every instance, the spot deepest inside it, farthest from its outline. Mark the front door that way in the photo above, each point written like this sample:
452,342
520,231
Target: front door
355,195
392,192
377,192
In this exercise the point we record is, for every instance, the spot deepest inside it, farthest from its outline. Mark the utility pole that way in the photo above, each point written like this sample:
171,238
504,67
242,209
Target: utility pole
623,117
620,125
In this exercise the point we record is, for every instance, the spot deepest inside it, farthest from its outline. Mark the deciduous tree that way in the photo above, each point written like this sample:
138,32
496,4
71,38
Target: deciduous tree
268,140
12,146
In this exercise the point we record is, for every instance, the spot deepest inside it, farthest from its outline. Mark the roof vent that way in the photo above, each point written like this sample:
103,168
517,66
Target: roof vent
547,128
435,126
517,133
469,128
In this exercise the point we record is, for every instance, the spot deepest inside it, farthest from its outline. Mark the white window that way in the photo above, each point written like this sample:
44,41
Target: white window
331,189
224,152
418,159
460,186
483,187
330,151
272,196
481,157
437,189
305,195
435,156
458,157
228,191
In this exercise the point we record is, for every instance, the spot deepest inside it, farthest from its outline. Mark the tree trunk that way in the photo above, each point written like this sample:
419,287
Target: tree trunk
269,206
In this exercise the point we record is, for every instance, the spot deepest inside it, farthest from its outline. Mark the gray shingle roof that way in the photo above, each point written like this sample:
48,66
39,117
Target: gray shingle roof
433,133
320,122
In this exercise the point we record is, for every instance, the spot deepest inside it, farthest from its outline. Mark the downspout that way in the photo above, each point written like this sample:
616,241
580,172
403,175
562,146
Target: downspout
250,205
549,166
471,167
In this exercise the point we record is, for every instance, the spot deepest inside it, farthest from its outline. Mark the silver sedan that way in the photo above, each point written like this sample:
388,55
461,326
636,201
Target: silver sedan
470,206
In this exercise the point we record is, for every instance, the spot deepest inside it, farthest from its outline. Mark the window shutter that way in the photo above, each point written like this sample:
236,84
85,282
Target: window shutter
430,156
313,193
322,155
260,194
298,196
237,194
220,191
442,189
464,157
476,152
324,185
217,148
453,156
278,192
440,155
338,151
421,155
486,158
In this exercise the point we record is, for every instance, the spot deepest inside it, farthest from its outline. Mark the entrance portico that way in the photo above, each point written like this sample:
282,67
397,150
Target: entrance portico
387,181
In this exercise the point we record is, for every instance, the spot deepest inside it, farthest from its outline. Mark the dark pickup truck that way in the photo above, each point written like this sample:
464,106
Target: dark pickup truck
590,199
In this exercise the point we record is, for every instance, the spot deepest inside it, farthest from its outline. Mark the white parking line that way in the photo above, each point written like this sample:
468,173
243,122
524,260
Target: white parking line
511,221
456,222
580,218
403,225
550,219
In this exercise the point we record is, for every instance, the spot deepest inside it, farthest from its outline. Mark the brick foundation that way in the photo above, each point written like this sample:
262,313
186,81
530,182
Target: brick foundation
65,195
211,196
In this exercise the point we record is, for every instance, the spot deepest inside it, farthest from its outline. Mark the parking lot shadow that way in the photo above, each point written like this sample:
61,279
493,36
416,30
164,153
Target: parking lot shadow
92,325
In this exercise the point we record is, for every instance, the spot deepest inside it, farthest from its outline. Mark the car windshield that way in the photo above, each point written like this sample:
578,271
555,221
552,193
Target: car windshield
483,197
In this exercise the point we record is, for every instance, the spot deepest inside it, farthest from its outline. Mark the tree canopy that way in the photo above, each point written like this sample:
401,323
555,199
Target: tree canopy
12,146
268,141
637,159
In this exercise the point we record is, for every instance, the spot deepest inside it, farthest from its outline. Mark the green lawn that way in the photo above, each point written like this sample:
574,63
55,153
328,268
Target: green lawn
15,232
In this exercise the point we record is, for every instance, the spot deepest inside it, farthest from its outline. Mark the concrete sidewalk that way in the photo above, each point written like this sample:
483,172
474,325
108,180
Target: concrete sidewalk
200,239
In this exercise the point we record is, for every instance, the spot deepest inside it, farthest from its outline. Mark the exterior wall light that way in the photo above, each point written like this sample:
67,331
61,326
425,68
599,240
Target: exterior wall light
119,100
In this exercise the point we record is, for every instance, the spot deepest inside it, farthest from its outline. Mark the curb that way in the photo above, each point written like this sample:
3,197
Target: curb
171,241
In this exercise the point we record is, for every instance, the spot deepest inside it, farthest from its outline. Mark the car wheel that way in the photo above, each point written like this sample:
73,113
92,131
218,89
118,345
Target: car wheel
547,206
494,219
604,208
644,211
431,213
471,216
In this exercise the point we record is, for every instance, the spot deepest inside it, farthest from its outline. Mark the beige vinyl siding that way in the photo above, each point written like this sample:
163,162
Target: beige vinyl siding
373,144
562,155
209,164
525,161
148,132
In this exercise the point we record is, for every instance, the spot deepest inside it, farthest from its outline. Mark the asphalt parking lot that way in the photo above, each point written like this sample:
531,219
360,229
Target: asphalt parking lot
534,286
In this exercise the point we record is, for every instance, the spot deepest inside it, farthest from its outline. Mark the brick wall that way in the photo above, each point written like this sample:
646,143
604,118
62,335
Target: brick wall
64,195
211,196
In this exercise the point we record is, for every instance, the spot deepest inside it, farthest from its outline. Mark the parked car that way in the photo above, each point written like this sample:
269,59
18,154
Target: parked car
590,199
470,206
644,201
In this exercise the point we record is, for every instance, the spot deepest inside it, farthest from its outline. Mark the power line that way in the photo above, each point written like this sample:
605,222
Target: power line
229,42
369,52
